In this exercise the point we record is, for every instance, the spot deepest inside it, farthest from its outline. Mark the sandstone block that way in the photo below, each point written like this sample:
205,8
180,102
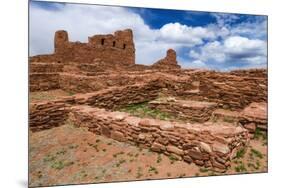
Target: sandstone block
174,149
117,135
196,155
205,147
251,127
219,147
157,147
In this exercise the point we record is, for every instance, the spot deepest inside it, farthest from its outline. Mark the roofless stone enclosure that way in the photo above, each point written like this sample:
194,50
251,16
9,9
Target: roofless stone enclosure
208,115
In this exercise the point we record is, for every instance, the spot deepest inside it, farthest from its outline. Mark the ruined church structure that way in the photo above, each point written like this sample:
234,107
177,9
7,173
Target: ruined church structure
218,111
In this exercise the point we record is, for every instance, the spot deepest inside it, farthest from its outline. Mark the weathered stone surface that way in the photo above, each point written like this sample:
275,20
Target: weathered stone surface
196,155
198,162
157,147
251,127
116,135
219,147
166,126
218,165
187,158
205,147
169,62
174,149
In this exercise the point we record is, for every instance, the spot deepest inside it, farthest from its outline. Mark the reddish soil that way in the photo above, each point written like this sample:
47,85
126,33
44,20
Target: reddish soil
39,96
70,155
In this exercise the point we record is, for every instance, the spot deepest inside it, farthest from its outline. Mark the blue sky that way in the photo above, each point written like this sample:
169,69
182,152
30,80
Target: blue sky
201,39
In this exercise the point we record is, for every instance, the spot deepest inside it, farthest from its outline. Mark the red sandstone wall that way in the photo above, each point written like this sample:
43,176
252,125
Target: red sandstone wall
205,145
47,115
118,48
44,76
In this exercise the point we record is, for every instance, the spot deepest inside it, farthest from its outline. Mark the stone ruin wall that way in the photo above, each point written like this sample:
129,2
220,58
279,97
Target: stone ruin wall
44,76
111,49
206,145
106,76
209,146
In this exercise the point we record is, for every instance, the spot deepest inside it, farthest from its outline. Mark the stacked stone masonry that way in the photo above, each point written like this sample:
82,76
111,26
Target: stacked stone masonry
185,109
44,76
101,76
46,115
206,145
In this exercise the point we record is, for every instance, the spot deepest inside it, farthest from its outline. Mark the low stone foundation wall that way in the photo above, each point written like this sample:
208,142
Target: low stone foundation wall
198,111
209,145
43,81
46,115
39,67
44,76
251,117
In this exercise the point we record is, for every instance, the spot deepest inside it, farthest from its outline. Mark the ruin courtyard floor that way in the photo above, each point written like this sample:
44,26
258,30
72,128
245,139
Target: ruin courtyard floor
72,155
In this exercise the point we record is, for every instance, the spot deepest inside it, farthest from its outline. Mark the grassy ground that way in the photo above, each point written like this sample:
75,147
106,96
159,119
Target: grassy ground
143,110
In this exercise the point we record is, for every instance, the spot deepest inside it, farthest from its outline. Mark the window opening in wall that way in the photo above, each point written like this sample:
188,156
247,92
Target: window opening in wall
102,41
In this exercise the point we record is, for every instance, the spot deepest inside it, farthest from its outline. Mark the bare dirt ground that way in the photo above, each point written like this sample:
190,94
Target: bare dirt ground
70,155
39,96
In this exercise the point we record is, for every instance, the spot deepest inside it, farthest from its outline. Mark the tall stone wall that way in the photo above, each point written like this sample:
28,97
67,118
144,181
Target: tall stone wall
111,49
169,62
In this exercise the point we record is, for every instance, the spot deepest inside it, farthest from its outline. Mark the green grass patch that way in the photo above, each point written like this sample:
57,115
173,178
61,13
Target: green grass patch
121,161
172,159
49,158
139,174
153,169
257,153
259,134
143,110
203,170
61,164
159,158
241,153
240,168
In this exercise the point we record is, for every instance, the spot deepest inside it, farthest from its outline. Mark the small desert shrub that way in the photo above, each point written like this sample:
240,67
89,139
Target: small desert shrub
260,134
173,159
61,164
139,174
240,153
121,161
159,159
61,152
240,168
204,170
153,169
257,153
49,158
